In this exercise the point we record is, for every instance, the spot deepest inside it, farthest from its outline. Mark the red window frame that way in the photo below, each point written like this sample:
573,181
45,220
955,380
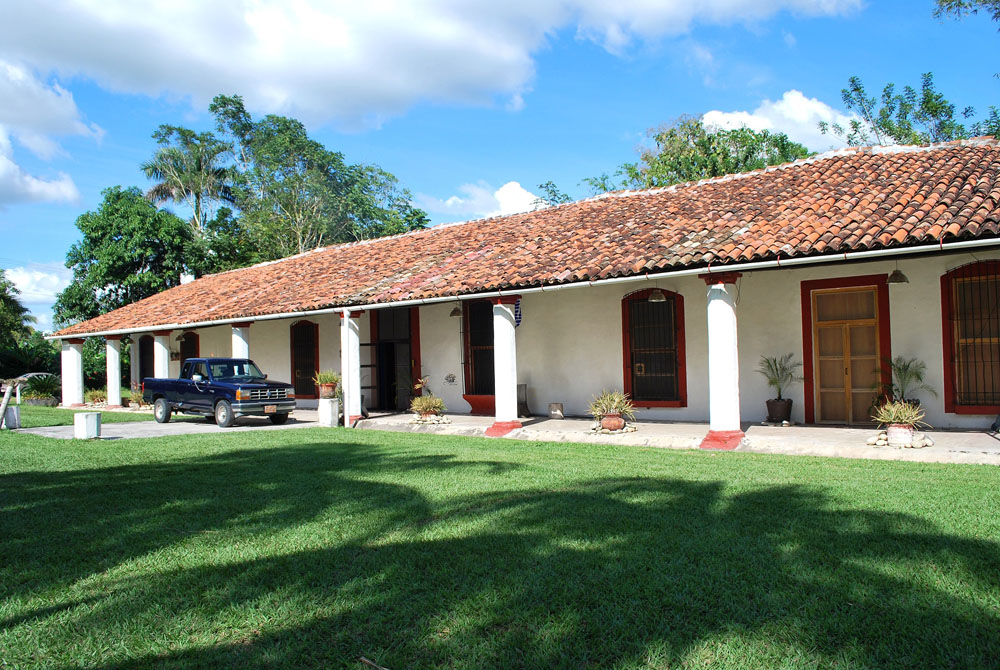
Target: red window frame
678,299
975,269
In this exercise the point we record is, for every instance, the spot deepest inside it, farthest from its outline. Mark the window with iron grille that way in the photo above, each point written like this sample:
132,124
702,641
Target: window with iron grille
653,345
479,372
970,304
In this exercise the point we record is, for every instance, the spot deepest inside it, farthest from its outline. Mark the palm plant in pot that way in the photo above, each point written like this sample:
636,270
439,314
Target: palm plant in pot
899,417
327,382
907,377
611,409
780,373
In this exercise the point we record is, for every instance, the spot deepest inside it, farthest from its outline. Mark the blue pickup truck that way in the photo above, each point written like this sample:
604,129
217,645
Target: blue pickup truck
224,388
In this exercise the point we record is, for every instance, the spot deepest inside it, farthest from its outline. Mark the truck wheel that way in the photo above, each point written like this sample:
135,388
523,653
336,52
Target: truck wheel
278,419
224,414
161,410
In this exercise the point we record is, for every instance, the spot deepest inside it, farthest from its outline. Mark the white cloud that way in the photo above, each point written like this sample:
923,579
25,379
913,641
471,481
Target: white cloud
18,186
39,285
794,114
351,62
480,199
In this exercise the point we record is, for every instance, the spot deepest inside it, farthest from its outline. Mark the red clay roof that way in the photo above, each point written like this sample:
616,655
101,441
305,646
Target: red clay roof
850,200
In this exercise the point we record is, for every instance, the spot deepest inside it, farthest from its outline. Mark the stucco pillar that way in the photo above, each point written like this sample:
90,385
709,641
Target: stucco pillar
133,359
350,365
72,373
504,367
724,430
112,347
161,354
241,340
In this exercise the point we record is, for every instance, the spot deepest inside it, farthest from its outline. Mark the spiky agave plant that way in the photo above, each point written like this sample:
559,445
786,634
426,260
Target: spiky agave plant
779,371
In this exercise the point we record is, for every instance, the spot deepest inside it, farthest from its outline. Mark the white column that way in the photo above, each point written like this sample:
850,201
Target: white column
504,366
241,340
723,363
72,373
114,368
134,362
350,365
161,354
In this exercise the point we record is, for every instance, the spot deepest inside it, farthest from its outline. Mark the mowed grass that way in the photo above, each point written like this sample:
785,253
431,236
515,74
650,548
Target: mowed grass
312,548
36,417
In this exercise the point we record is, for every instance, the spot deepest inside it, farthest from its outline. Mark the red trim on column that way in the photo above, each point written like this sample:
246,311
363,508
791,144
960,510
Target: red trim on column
884,331
681,349
723,440
162,333
74,340
242,324
713,278
501,428
354,315
505,299
991,268
354,418
482,405
76,404
415,362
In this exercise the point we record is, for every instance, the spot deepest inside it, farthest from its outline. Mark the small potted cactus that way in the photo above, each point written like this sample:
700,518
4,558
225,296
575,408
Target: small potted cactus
611,409
327,382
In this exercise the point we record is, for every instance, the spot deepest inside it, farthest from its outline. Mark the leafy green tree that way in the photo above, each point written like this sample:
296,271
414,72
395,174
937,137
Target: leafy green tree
551,195
688,151
907,117
130,250
15,319
188,168
960,8
28,353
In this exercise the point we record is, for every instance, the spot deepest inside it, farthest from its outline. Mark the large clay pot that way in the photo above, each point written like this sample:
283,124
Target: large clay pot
327,390
612,421
899,435
779,410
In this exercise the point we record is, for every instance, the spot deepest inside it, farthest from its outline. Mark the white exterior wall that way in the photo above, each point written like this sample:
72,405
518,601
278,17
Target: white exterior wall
441,354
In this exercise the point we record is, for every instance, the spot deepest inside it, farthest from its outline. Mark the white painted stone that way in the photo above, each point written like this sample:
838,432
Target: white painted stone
72,374
723,360
114,371
505,362
87,425
329,412
872,441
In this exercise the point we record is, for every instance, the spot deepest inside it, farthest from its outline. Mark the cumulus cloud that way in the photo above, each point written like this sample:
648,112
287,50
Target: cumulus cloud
347,62
17,186
793,114
39,284
481,199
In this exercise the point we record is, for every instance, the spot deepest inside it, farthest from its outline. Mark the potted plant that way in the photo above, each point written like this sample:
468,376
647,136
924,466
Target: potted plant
907,377
136,394
780,373
611,409
42,390
327,382
899,417
427,405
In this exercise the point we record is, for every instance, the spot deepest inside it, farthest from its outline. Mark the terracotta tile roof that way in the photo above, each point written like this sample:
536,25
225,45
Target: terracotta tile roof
849,200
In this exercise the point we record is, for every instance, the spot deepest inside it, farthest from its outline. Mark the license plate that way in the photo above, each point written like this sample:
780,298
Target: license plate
270,409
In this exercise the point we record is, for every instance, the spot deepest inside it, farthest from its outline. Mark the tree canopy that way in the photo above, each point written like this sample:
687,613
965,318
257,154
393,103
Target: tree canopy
15,319
130,250
687,150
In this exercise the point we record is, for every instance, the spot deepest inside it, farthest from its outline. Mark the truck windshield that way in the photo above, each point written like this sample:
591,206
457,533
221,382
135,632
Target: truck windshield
230,371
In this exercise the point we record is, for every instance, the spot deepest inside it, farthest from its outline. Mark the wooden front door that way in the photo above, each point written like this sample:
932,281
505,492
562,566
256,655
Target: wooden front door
305,358
846,365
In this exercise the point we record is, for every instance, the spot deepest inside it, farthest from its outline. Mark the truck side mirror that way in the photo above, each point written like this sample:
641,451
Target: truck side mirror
196,378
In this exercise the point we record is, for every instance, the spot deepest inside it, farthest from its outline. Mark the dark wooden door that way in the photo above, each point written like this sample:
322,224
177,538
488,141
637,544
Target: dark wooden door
305,358
145,357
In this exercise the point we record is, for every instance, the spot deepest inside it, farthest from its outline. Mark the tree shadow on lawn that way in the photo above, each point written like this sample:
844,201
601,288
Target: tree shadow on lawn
610,572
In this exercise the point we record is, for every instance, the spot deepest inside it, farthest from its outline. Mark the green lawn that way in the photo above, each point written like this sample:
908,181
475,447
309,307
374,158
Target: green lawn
311,548
35,417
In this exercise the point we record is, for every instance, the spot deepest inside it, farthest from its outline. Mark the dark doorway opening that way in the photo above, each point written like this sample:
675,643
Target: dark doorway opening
145,357
395,335
305,358
189,346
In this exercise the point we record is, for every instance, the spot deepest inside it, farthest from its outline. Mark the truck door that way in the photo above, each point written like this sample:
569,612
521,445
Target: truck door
199,393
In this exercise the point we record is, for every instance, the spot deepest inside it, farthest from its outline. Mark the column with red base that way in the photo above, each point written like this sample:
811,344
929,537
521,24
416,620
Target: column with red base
72,373
350,365
723,363
504,367
113,349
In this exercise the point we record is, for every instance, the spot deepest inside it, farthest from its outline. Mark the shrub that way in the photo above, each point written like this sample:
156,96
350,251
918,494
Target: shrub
96,396
779,371
899,412
427,404
44,386
326,377
612,402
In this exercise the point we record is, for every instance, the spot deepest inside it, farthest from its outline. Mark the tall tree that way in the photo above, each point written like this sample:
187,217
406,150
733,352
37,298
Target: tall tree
687,150
15,319
130,250
188,168
909,117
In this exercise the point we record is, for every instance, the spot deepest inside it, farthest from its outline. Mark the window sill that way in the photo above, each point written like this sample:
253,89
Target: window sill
985,410
659,403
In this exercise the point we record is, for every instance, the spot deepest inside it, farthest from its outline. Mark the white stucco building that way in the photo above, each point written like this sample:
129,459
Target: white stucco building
844,260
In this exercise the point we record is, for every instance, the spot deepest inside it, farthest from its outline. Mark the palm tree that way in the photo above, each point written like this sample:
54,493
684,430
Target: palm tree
14,316
188,168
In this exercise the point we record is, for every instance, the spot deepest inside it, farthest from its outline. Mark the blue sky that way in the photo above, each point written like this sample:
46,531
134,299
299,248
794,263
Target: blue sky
471,107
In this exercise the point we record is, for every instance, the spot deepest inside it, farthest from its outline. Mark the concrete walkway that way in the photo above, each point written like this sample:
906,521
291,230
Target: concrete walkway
183,425
976,447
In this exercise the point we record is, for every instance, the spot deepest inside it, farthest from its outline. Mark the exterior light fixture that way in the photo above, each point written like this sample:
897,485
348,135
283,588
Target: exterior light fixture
456,310
657,296
897,277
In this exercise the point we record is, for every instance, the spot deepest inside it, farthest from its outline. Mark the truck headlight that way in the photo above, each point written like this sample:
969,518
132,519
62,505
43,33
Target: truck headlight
242,394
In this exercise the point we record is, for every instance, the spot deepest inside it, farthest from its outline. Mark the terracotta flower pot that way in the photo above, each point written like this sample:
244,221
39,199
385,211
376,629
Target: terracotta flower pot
327,390
899,435
613,421
779,410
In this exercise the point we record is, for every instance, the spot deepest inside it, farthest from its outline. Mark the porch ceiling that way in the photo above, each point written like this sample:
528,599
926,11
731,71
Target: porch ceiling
845,201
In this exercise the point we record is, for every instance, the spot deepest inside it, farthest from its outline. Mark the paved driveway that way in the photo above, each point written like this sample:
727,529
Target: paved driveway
184,426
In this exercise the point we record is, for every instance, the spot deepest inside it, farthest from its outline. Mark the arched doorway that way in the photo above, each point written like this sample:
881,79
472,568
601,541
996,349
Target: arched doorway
190,345
145,357
305,357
